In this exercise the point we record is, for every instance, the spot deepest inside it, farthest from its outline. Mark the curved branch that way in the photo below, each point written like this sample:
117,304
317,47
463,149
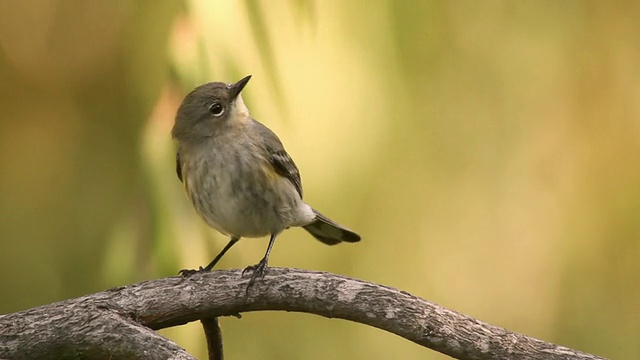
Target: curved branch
177,300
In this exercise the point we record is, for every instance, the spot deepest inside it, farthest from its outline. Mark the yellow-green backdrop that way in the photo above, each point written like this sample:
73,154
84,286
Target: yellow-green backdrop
487,152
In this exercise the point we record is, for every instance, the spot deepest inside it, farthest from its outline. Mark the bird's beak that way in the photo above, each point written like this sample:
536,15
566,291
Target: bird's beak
236,88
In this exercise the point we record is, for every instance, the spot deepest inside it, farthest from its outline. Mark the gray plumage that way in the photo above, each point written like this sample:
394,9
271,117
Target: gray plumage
238,175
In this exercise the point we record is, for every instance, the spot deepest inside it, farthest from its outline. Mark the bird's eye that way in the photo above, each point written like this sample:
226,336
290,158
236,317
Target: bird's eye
216,109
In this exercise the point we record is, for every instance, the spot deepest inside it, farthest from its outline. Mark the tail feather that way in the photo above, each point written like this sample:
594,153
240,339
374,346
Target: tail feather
329,232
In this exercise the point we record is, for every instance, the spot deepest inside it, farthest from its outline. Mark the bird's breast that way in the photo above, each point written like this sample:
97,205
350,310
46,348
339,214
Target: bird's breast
239,193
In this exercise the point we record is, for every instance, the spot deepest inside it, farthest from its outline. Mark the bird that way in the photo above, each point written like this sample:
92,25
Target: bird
238,175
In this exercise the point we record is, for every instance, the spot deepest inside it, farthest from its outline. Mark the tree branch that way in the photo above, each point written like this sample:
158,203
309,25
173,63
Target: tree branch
98,322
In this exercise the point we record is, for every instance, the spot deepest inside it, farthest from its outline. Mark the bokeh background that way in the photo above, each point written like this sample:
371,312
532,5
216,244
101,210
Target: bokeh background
487,152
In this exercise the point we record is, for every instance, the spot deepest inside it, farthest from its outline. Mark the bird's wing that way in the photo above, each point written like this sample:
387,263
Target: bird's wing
178,168
282,163
284,166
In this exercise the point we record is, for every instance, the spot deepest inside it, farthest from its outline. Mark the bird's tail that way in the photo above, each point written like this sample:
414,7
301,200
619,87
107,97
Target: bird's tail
330,233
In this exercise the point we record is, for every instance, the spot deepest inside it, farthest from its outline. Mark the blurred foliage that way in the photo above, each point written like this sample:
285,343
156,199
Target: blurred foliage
488,153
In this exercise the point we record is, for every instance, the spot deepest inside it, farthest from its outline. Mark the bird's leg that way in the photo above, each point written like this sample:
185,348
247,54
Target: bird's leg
260,268
232,241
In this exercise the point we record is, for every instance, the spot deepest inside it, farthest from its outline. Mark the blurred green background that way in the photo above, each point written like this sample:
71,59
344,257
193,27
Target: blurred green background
488,153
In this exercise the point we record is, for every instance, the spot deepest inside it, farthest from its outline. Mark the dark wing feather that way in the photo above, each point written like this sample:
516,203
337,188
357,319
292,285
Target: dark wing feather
178,168
284,165
281,161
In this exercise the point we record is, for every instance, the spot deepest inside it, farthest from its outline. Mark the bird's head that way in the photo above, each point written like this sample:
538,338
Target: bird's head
208,106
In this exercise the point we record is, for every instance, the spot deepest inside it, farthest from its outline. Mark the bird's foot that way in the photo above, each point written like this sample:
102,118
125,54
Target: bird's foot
189,272
258,271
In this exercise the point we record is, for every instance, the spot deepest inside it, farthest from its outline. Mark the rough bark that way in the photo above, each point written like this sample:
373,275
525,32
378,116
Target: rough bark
118,321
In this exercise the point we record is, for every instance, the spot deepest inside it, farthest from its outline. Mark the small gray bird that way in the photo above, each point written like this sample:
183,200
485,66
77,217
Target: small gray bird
238,175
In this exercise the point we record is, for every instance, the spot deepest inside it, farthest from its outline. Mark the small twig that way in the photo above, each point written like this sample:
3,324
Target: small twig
213,333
